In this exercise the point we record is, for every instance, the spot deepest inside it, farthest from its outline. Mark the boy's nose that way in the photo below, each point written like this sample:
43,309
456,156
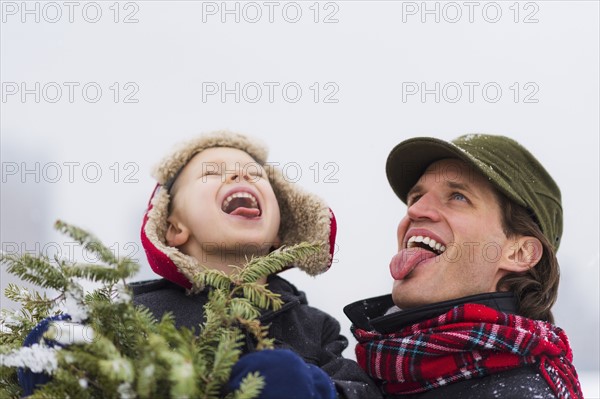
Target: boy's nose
232,177
235,177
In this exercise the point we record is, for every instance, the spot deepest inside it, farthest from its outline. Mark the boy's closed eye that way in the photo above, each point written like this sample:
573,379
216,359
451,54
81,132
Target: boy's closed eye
211,173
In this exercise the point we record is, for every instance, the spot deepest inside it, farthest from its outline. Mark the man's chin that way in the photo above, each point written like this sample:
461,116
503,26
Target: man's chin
405,297
406,302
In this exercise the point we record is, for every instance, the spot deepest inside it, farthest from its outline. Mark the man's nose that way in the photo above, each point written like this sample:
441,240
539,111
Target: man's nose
426,207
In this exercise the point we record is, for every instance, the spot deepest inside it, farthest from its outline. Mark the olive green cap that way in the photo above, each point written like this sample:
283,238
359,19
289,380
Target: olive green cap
512,169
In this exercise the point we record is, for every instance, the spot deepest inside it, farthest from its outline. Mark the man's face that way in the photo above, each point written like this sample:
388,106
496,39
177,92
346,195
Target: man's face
224,201
458,209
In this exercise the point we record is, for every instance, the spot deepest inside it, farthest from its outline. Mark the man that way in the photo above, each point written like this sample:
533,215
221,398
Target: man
475,277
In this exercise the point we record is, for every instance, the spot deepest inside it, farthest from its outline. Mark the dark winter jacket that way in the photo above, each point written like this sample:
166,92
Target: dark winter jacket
526,382
311,333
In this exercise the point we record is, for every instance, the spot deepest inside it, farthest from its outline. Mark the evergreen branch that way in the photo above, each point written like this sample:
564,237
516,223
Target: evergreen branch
183,378
88,241
131,353
127,268
117,369
226,355
34,308
276,261
241,308
179,369
36,270
75,365
215,313
100,273
259,332
147,379
27,298
213,278
68,384
262,297
9,383
120,324
250,387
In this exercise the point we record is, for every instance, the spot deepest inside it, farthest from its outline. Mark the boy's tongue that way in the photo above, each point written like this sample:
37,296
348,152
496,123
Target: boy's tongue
406,260
246,212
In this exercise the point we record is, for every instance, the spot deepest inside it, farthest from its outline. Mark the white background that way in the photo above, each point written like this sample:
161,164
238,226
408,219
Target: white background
365,58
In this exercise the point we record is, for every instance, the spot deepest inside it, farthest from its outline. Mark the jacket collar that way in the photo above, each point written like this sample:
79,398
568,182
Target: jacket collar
286,290
370,314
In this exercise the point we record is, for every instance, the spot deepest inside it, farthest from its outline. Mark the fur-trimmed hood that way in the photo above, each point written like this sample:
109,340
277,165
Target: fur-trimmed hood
304,216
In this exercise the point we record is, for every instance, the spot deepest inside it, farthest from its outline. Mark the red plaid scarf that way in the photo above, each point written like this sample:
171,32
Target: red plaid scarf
467,342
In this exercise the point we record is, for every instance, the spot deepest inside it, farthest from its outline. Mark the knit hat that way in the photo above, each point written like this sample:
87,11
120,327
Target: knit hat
512,169
304,216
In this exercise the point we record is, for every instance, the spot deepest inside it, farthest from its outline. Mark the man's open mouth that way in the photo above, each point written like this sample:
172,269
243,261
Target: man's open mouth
419,249
241,203
427,243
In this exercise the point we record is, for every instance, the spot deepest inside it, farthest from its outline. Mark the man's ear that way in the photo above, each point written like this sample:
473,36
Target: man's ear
177,233
524,253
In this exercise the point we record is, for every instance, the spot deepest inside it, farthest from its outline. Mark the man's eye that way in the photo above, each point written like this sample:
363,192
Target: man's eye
458,197
412,199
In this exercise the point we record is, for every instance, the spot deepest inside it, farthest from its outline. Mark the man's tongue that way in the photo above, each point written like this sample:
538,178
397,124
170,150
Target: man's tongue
246,212
406,260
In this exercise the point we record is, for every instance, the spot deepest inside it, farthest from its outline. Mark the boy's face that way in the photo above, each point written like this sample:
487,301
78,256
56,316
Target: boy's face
457,208
223,203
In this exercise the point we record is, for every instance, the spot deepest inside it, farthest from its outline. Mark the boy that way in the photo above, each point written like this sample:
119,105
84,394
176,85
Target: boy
218,203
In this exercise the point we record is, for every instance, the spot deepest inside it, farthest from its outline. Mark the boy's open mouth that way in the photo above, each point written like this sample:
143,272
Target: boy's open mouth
241,204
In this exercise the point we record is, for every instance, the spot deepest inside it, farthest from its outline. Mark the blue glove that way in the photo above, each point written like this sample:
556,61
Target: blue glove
286,375
28,379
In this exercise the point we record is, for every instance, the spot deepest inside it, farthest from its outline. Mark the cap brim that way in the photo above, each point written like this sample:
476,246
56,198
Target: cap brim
408,161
